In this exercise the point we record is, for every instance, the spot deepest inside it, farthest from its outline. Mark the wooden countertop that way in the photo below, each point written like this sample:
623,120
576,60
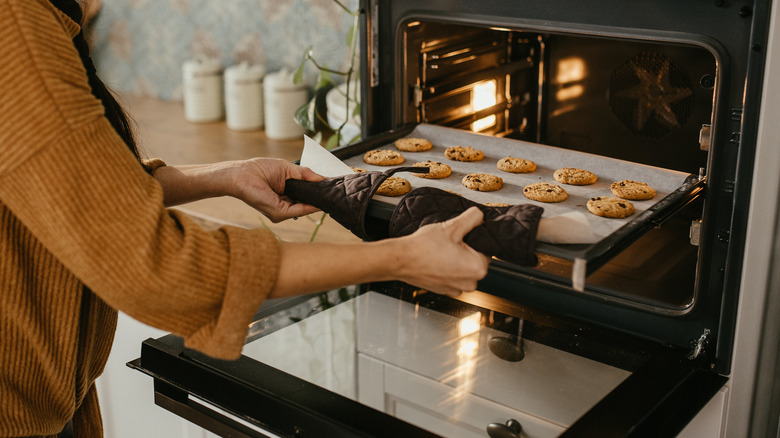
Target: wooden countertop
163,132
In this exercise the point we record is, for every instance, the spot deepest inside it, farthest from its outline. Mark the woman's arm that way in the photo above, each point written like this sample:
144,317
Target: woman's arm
434,258
256,181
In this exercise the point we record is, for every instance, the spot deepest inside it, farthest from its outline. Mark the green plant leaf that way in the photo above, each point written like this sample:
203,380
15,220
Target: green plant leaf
333,141
351,33
324,80
303,115
298,76
344,294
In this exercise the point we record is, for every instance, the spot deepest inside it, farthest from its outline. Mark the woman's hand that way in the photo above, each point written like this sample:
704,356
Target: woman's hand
434,258
437,259
260,183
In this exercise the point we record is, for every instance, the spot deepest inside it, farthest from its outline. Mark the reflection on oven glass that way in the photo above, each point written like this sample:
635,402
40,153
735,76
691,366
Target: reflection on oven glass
468,348
570,70
436,370
569,78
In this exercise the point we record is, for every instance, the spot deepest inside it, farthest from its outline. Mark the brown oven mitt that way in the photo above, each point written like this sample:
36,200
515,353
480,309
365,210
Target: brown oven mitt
508,233
345,198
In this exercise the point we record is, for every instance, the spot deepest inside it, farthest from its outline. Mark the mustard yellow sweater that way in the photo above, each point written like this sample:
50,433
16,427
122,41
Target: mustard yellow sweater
84,233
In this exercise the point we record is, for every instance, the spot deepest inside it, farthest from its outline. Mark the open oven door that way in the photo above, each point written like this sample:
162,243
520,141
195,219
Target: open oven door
387,362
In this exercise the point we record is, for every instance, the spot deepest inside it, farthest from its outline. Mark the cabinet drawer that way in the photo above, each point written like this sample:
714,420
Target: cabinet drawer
415,398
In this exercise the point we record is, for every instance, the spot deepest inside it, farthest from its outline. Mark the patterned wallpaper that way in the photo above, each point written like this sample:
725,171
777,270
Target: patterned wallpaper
139,46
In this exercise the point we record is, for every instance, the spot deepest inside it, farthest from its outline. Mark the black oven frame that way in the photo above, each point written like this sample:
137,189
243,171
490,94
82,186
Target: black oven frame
734,32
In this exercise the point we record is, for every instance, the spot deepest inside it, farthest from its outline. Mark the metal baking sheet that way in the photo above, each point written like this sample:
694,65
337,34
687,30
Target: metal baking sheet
567,229
567,222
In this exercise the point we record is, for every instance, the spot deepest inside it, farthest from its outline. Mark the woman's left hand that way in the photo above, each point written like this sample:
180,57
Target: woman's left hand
260,183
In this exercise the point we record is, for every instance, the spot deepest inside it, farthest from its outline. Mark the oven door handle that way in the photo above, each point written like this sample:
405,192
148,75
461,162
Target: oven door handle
180,403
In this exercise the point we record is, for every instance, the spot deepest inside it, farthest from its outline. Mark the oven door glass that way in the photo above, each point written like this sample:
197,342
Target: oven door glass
387,363
445,373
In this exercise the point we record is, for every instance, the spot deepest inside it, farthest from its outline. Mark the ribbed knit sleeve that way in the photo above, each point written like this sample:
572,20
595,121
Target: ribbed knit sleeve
67,176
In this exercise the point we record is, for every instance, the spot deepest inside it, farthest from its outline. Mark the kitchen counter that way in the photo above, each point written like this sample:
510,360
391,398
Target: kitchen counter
163,132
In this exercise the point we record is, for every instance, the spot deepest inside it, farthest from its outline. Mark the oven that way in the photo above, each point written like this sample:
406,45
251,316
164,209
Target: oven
629,331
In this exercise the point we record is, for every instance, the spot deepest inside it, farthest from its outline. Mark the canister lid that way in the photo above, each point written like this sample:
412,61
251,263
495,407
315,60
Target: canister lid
282,80
202,64
244,72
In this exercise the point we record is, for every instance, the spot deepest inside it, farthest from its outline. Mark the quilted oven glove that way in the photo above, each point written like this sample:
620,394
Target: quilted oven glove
345,198
508,233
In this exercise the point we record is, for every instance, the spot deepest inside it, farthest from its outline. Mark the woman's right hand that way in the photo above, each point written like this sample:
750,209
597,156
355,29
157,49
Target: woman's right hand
437,259
434,258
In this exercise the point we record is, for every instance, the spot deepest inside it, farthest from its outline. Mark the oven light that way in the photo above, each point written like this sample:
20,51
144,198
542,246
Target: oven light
483,96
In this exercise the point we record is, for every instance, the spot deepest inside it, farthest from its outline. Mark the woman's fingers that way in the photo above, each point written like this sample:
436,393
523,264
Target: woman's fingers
442,262
465,222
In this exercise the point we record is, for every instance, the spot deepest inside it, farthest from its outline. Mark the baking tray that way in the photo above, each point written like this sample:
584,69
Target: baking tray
567,230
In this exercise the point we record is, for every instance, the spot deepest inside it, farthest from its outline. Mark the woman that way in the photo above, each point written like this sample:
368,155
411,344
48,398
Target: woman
85,233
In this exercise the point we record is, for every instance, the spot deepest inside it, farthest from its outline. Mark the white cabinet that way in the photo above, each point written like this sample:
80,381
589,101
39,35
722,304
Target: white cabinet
127,396
437,372
429,404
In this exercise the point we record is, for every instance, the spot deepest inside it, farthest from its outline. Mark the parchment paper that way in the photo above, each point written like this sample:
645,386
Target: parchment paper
565,222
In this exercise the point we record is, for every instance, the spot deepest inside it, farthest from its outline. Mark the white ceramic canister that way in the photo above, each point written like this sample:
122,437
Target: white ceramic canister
282,98
244,97
202,80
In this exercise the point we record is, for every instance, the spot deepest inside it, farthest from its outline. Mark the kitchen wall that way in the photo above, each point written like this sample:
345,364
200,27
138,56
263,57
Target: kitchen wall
139,46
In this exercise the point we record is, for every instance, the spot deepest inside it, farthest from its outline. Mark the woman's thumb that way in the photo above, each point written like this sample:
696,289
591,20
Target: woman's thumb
466,221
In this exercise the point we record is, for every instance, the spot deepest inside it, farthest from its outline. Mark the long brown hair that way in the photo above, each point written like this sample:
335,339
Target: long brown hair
113,110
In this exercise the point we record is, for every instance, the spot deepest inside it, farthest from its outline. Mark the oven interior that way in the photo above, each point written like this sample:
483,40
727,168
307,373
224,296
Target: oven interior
634,100
631,99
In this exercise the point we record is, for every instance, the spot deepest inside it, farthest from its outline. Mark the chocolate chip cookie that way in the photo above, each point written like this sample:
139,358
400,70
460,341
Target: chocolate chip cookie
436,170
545,192
635,190
383,157
574,176
394,186
460,153
516,165
606,206
482,182
411,144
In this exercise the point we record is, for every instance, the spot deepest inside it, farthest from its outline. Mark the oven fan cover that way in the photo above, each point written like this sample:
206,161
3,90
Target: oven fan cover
651,95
